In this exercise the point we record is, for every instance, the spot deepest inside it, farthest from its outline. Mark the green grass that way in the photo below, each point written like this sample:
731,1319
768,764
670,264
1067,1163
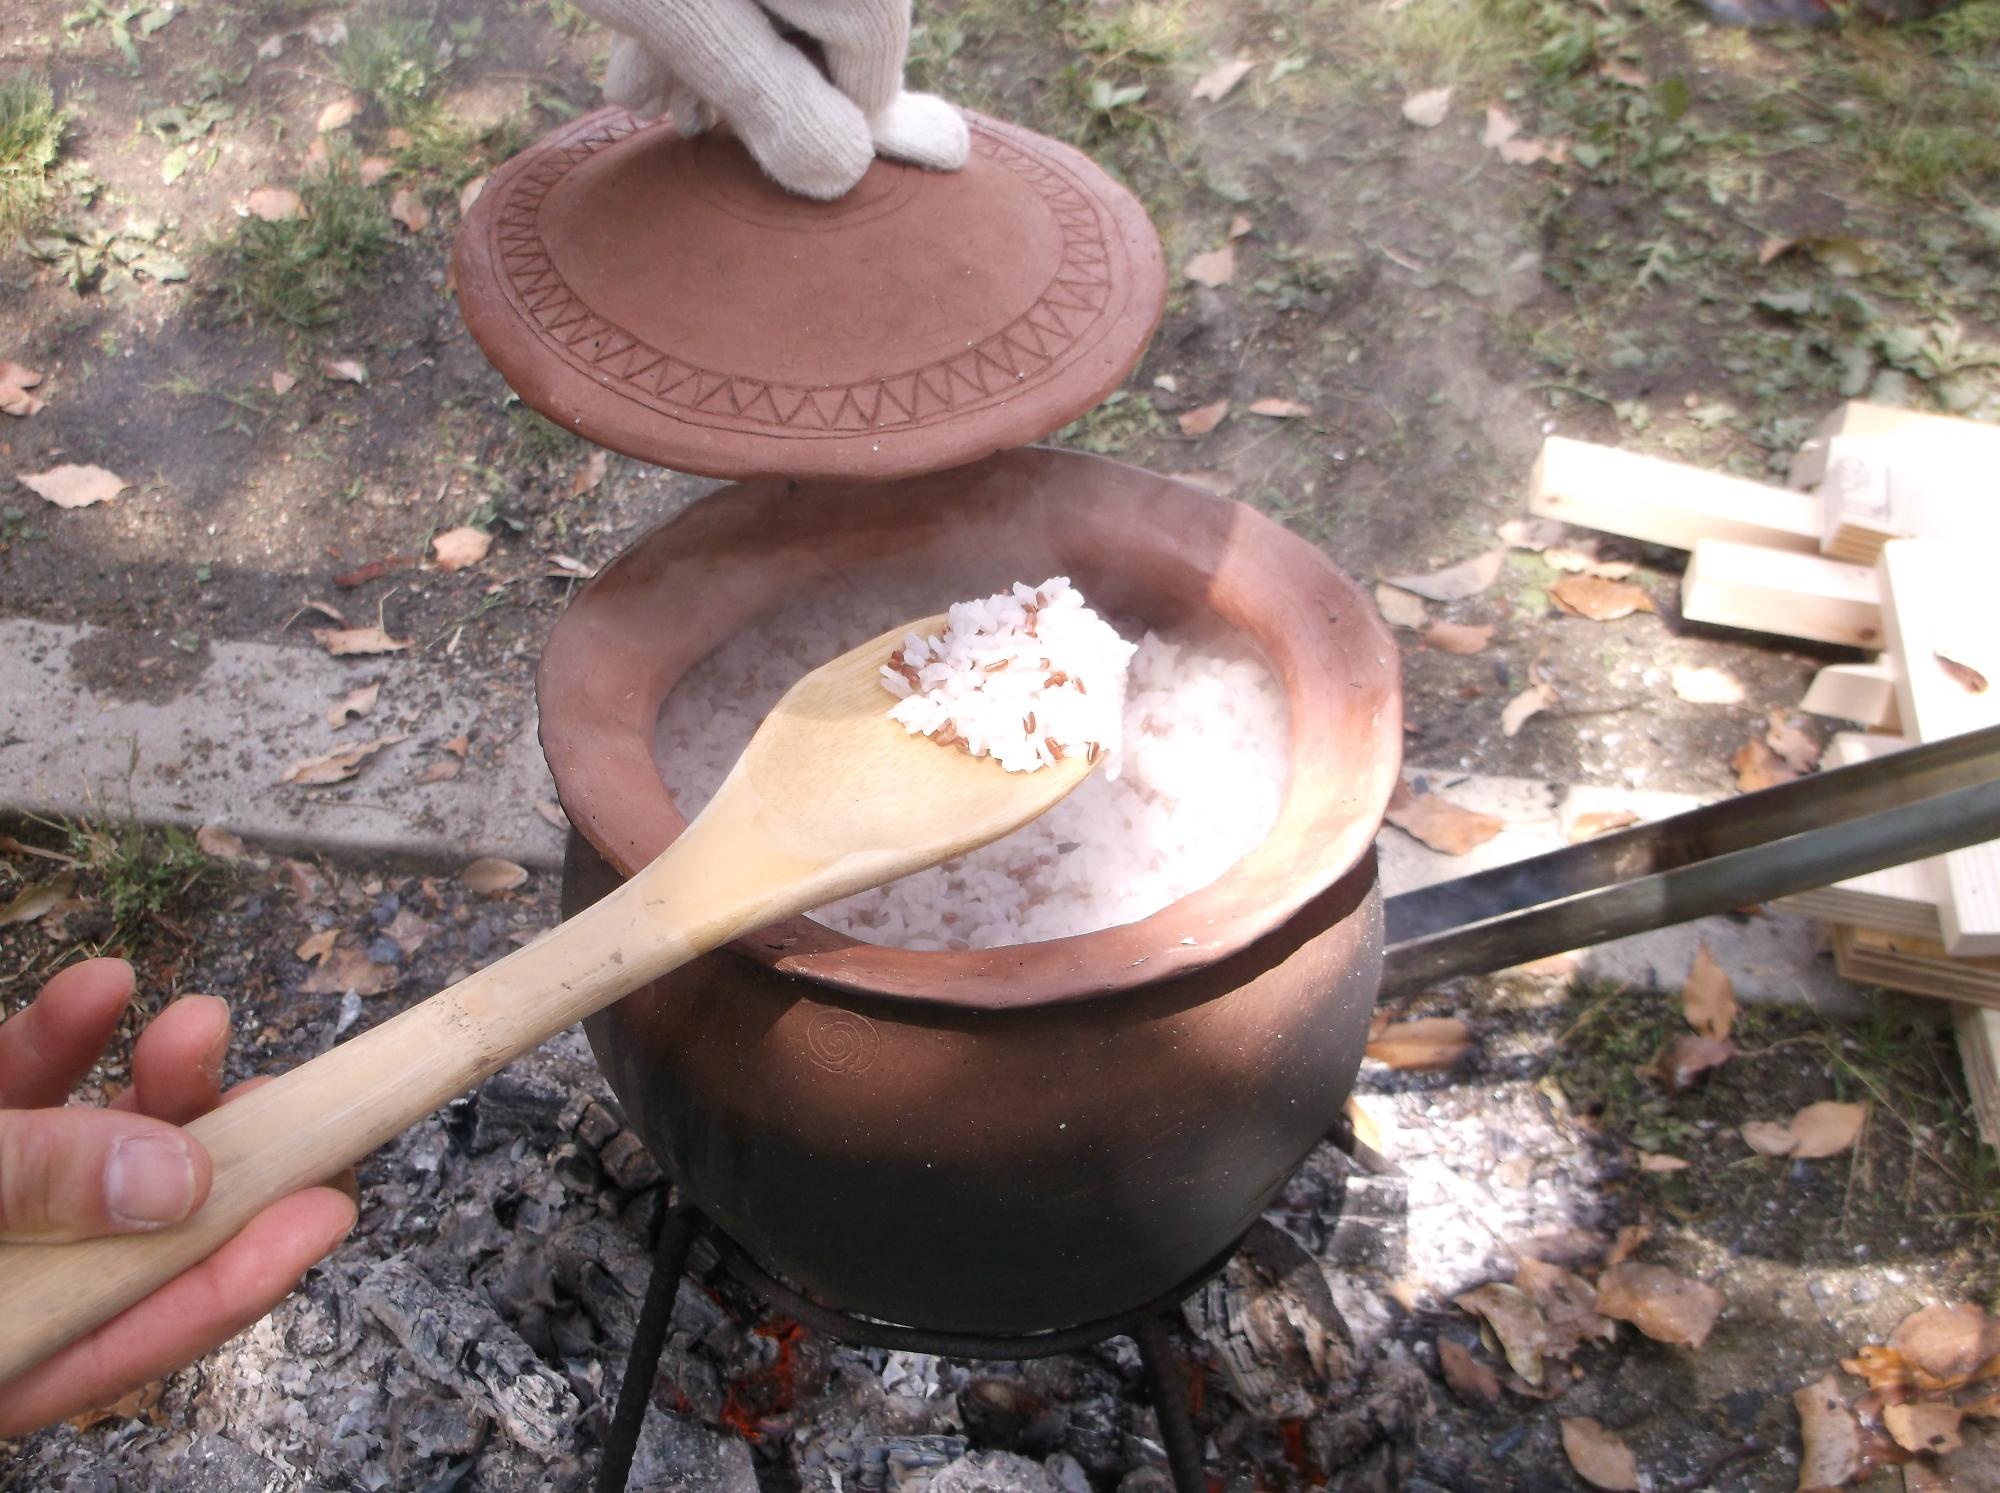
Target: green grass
138,875
538,440
31,134
394,63
297,272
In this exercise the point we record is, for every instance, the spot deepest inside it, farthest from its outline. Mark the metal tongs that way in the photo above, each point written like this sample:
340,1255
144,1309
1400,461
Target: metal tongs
1904,807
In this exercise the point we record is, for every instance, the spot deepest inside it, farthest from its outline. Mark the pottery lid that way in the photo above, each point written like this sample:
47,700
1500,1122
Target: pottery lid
661,296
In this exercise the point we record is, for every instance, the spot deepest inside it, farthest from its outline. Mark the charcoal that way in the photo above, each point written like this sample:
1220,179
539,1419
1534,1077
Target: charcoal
628,1163
1007,1414
601,1267
1271,1324
1147,1479
890,1464
596,1125
1370,1441
679,1455
214,1464
459,1342
987,1472
523,1101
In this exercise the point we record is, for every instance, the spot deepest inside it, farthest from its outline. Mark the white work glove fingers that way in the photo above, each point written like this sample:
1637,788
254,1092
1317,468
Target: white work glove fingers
924,130
866,43
808,135
637,80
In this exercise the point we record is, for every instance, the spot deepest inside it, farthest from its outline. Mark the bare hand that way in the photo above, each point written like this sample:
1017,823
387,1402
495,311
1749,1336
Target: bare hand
75,1173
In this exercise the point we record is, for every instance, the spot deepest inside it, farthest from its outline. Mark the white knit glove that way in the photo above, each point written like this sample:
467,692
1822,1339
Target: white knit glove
697,60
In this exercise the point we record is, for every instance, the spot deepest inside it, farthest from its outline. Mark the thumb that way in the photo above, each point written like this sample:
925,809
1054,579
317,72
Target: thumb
77,1173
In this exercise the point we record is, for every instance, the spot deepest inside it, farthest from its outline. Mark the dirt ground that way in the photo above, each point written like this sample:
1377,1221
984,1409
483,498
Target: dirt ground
1725,233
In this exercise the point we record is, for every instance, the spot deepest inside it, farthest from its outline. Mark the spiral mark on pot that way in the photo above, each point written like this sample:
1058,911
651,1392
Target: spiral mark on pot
841,1042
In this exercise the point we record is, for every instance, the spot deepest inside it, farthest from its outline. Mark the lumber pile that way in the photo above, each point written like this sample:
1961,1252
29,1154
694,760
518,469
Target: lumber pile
1886,538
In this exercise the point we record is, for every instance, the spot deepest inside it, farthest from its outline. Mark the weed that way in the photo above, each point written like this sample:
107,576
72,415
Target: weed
297,271
140,875
31,134
1115,426
394,63
538,441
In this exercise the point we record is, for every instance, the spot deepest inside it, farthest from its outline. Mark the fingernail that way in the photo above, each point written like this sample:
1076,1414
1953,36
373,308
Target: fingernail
149,1181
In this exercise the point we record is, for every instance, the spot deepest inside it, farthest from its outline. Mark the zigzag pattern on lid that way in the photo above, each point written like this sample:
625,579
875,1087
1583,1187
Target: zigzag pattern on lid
1027,349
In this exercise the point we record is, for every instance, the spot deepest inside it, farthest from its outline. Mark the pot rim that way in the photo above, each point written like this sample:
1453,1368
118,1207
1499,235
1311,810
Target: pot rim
599,689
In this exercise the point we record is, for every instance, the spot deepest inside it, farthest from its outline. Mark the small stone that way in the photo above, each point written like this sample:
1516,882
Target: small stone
383,950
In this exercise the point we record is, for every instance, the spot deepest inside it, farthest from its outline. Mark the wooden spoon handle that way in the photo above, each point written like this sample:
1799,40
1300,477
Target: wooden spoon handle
326,1114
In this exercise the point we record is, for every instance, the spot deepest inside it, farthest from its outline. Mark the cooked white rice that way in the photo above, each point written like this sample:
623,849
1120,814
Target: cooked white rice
1204,761
1026,677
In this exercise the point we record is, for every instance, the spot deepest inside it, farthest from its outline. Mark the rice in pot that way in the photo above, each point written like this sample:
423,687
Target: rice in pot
1201,768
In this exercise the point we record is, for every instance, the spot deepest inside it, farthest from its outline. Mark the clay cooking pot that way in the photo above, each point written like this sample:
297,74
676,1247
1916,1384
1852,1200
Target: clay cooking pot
1015,1139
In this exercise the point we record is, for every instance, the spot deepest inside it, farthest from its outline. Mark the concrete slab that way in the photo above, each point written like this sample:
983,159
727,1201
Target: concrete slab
213,746
1777,957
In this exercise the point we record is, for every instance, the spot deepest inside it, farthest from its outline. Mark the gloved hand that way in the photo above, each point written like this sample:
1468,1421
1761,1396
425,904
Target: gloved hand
697,60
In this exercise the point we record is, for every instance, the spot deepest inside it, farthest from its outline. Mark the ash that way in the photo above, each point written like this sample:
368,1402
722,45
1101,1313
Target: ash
472,1334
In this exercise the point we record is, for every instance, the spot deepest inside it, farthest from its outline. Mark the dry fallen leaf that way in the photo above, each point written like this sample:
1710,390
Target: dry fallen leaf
1961,674
1826,1128
458,746
553,813
337,115
469,194
1440,823
457,548
1831,1436
352,706
350,969
1398,607
375,169
1472,1381
1500,127
282,382
1768,1137
489,875
1454,582
338,765
1516,1321
1423,1046
1599,599
1797,747
1627,1243
1668,1308
352,370
407,207
590,473
1758,767
38,899
1280,409
1624,72
441,771
1708,999
1524,151
1239,225
1684,1059
275,204
1214,269
224,845
1590,826
568,568
1772,248
1950,1344
70,486
1568,1305
1927,1426
137,1405
1707,686
409,931
342,641
1427,110
1600,1457
15,382
1201,420
318,946
1457,637
1660,1161
1215,84
1531,701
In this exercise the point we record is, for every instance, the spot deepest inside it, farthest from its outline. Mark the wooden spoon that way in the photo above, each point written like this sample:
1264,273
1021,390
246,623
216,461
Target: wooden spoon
830,797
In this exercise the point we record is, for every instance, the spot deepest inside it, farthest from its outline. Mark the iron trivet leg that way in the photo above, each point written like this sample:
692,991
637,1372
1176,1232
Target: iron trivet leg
649,1340
1170,1403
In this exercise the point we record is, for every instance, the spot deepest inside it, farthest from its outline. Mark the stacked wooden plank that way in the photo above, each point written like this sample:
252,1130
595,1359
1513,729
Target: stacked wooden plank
1886,539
